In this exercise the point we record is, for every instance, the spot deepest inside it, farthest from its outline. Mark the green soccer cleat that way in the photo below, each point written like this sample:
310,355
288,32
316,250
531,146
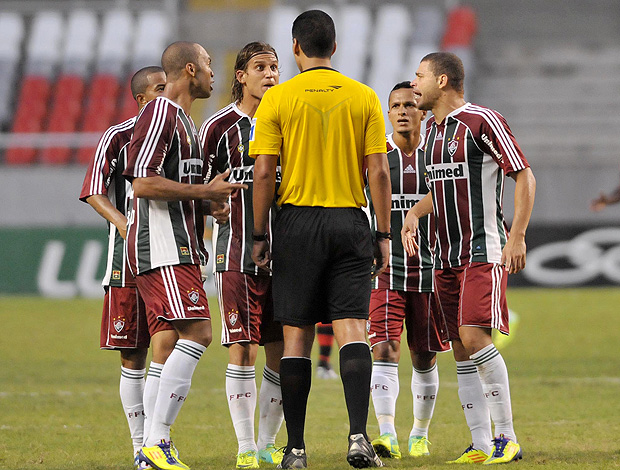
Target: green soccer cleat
160,457
271,454
386,446
471,456
504,451
418,446
247,459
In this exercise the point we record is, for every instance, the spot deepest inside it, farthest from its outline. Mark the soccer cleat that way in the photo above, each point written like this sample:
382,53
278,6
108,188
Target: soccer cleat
271,454
361,453
140,465
504,451
326,372
160,457
418,446
247,459
386,446
296,458
471,456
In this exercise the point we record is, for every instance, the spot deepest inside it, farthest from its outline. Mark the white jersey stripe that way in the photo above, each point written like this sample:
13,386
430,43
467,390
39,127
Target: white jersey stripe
97,183
172,291
501,134
225,338
152,137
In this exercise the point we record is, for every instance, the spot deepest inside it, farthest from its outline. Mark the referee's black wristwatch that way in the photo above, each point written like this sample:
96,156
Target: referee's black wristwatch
383,235
260,238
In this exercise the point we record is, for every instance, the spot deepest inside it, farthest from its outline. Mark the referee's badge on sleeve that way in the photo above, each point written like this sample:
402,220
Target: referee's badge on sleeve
252,129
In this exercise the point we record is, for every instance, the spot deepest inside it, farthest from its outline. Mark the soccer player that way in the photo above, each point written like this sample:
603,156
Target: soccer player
469,151
404,291
164,232
324,126
124,326
325,338
245,300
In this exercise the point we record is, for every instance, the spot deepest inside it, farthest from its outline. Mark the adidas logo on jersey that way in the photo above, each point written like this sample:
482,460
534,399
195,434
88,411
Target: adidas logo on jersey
409,169
439,136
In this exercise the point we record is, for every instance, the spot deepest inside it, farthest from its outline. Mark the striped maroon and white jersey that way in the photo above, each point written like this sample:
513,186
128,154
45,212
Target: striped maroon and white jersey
164,233
467,157
225,140
104,176
404,272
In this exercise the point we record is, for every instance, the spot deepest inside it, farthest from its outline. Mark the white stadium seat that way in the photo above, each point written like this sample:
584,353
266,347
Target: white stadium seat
11,36
152,37
352,36
80,38
279,36
114,42
43,50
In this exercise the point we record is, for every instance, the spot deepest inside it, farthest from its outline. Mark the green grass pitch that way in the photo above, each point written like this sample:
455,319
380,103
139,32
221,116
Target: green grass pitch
59,404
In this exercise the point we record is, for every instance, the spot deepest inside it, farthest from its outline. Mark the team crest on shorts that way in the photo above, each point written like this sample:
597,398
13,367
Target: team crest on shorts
194,295
116,274
220,259
184,250
452,146
119,324
232,317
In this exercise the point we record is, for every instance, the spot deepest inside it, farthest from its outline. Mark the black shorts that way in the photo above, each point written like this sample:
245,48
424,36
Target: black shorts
322,260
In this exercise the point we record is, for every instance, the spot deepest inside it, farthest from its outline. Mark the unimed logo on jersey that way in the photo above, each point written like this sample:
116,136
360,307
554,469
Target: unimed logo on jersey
447,171
404,202
245,174
190,167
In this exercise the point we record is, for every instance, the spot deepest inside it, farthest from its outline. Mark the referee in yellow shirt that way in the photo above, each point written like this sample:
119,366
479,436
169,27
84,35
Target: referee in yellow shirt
325,128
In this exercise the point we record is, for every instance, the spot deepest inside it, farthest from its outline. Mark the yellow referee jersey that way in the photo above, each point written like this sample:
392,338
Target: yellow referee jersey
322,124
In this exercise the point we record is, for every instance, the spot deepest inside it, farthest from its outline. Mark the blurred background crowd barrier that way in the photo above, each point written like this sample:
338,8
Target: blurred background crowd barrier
551,68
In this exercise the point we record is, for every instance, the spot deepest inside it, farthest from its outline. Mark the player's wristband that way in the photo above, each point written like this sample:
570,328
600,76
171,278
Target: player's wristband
383,235
259,238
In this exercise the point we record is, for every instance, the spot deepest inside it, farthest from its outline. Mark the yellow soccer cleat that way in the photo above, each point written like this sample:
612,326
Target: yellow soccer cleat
271,454
247,459
504,451
471,456
160,457
418,446
386,446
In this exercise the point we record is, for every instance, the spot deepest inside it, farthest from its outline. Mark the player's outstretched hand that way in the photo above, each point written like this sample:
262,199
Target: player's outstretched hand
513,254
261,255
219,189
599,203
409,232
220,211
382,256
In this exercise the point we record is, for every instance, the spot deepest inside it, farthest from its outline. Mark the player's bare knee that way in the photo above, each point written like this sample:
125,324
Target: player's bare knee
134,359
387,351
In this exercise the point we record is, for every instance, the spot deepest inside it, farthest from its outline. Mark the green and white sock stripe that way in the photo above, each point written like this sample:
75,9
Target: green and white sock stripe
466,367
385,364
271,376
132,374
428,371
190,348
240,372
155,370
485,355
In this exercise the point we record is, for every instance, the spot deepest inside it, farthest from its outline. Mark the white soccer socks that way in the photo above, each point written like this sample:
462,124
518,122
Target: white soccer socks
424,387
474,405
270,409
494,377
131,390
174,385
151,388
384,388
241,395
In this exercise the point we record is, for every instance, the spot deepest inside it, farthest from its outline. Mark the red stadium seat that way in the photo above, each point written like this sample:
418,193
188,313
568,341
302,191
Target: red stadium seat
101,110
461,26
128,106
66,111
29,117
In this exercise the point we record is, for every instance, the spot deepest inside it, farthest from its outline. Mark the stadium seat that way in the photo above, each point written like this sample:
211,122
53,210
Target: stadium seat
388,50
11,36
68,94
152,36
428,28
458,38
279,36
114,42
42,55
353,34
100,110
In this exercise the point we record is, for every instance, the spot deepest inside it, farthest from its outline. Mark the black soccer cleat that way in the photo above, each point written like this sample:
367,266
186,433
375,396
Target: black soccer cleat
361,453
295,458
